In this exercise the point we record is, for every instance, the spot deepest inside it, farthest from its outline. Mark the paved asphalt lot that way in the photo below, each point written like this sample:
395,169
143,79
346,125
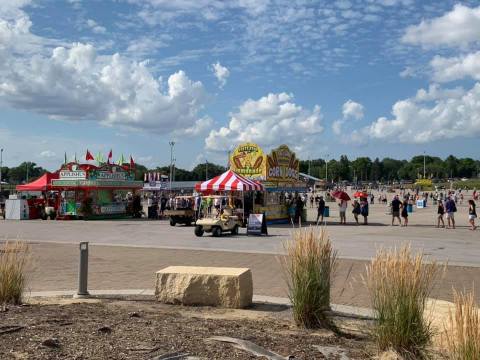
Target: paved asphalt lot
460,246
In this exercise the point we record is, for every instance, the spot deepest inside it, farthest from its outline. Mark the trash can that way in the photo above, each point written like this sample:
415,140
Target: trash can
326,211
410,208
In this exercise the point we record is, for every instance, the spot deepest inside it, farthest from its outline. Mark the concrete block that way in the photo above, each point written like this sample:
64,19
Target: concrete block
205,286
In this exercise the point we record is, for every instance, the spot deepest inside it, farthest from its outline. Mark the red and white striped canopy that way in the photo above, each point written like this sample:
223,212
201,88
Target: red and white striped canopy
229,181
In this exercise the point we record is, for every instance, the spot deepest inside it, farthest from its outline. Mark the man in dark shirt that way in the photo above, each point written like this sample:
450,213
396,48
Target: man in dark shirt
396,204
321,208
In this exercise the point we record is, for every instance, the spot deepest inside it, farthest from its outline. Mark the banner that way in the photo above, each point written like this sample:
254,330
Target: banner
282,165
248,160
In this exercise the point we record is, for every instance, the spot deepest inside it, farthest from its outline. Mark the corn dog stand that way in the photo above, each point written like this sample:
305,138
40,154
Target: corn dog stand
278,172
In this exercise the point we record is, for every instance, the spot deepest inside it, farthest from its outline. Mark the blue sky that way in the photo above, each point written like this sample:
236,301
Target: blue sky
358,77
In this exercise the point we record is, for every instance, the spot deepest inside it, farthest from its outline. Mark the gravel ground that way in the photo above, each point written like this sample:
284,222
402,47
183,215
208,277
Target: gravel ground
147,330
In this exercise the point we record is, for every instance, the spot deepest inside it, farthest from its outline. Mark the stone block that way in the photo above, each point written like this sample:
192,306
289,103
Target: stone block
205,286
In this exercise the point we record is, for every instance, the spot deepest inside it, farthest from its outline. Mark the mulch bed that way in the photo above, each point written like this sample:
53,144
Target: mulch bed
147,330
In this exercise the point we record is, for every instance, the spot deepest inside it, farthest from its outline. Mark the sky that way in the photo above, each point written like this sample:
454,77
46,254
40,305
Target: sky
377,78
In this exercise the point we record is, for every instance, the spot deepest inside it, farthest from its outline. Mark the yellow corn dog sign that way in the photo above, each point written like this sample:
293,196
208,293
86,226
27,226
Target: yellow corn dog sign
248,160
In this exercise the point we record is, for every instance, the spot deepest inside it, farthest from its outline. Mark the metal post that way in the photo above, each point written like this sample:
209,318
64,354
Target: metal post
206,170
83,271
326,169
1,165
172,144
424,164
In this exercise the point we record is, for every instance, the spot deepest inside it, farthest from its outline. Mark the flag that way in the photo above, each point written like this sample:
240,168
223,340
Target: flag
110,155
132,163
89,156
99,158
121,160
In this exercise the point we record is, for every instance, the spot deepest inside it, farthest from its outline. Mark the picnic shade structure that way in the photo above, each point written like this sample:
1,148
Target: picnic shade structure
229,181
342,195
360,194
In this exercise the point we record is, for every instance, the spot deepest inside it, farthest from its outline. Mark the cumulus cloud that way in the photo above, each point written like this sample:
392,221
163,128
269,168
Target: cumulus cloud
350,110
97,29
221,73
75,83
200,127
269,121
433,114
457,28
456,68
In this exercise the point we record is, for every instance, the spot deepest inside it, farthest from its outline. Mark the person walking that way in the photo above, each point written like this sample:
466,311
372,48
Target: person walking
298,210
405,212
343,210
440,213
321,208
396,204
356,210
364,210
451,209
472,214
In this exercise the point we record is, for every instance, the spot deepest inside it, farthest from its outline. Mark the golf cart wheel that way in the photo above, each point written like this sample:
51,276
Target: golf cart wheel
199,230
173,222
235,230
216,231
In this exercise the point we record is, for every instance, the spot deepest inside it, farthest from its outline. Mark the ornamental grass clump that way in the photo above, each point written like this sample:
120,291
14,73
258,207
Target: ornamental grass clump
461,338
14,259
399,284
309,265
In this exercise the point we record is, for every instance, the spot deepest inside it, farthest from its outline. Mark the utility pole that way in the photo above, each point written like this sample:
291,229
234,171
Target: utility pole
28,163
309,162
172,144
326,168
424,164
1,165
206,170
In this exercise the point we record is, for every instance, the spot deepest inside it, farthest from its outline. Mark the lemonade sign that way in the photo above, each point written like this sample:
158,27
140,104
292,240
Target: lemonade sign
248,160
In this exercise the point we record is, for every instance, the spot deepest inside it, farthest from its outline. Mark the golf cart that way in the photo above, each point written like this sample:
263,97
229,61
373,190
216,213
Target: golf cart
222,221
182,211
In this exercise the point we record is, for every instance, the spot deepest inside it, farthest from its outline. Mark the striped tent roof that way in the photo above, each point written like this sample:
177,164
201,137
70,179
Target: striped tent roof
229,181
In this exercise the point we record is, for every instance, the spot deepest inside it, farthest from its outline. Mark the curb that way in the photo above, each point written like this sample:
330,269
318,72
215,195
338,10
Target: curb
139,294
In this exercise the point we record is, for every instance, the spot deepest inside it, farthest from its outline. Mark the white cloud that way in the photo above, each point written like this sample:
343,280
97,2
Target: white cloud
269,121
200,127
432,115
75,83
352,109
221,73
456,68
47,154
146,45
458,28
97,29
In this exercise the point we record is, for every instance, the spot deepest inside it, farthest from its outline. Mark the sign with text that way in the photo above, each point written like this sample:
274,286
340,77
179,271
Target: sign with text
73,174
282,165
257,224
248,160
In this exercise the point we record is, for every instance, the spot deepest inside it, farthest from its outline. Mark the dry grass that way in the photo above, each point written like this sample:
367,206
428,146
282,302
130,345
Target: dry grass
309,264
14,259
399,284
462,331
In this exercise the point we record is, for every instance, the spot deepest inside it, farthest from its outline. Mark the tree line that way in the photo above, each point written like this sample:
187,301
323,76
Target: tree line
360,169
388,169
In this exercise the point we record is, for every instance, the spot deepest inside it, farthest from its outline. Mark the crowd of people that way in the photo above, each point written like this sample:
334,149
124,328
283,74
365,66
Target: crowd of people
401,206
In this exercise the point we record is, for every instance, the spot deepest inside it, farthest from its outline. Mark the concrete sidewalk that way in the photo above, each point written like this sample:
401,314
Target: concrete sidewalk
55,268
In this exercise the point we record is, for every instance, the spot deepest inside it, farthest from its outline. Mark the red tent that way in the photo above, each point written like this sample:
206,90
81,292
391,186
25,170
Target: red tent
43,183
229,181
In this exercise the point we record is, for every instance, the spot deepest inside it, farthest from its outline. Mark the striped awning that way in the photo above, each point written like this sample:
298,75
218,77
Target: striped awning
229,181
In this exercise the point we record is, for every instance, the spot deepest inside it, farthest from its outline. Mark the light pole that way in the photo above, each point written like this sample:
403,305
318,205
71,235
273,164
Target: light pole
28,165
172,144
1,165
326,168
424,164
206,170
